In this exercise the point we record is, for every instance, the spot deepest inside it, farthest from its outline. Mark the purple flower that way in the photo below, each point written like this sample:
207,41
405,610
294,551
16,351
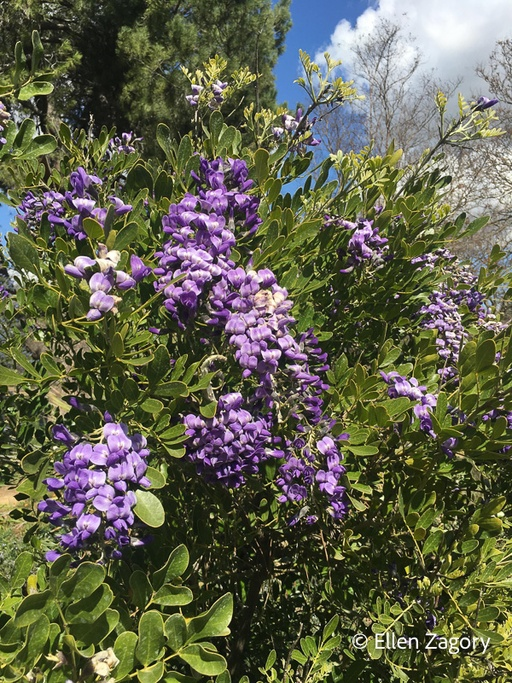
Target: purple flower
97,486
121,207
139,270
61,433
79,267
484,103
82,182
124,144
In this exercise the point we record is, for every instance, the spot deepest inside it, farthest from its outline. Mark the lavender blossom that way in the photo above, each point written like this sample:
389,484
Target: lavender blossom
251,313
484,103
123,145
410,388
94,493
365,244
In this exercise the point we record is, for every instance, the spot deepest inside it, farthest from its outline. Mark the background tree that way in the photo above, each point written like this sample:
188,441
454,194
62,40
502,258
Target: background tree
399,107
119,61
398,104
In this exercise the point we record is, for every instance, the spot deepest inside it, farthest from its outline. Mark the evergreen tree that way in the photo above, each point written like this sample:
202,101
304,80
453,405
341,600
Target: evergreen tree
120,60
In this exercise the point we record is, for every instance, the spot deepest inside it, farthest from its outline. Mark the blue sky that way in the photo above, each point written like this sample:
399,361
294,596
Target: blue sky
453,36
313,24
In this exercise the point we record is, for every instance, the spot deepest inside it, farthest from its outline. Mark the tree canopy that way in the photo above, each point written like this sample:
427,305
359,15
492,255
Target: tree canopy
120,61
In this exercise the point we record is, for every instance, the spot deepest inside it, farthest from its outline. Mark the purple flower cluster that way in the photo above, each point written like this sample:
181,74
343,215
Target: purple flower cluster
94,491
249,311
123,145
442,314
290,126
202,236
365,244
298,474
410,388
70,209
217,89
104,283
429,260
445,311
4,117
231,444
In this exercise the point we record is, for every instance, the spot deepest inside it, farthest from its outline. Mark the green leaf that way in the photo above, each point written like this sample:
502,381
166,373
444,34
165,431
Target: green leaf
363,451
93,229
226,139
203,661
485,354
494,638
215,125
298,657
87,578
131,390
433,542
472,597
31,608
475,226
117,345
151,674
151,638
152,405
163,137
19,58
427,518
37,52
88,634
488,614
149,509
21,571
10,378
37,636
175,566
373,651
172,389
185,151
139,178
330,627
214,622
175,629
261,159
163,186
141,588
157,479
25,135
271,660
469,546
159,366
34,89
23,252
225,677
175,677
126,236
124,649
208,411
40,145
175,434
89,609
175,596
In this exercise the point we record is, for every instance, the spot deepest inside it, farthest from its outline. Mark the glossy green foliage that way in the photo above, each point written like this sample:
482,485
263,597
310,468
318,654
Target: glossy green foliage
74,617
425,546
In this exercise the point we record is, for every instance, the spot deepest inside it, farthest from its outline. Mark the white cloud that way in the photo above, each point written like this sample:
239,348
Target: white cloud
454,36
